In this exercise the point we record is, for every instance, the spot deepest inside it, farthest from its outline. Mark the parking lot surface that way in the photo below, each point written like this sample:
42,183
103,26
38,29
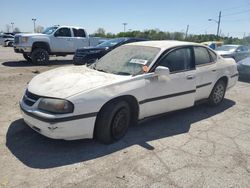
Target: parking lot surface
196,147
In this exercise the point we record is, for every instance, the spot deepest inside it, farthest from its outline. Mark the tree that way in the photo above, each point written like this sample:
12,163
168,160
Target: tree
39,29
100,32
16,30
7,29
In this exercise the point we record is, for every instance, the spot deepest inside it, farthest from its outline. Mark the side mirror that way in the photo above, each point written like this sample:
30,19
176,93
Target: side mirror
162,71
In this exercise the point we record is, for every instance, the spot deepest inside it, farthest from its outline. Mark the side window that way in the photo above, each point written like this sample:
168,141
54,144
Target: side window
178,60
201,56
63,32
245,48
212,55
79,33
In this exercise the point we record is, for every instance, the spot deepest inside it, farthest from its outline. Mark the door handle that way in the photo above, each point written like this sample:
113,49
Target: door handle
190,77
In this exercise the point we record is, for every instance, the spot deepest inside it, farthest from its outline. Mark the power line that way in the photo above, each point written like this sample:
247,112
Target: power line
236,13
235,7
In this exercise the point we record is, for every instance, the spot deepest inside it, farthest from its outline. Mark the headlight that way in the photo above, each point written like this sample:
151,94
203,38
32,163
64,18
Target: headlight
24,39
56,106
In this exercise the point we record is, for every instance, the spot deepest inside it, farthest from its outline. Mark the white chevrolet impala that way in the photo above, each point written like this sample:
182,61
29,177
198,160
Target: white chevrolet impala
132,82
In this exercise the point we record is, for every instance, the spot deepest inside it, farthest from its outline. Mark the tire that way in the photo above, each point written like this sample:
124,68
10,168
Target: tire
112,122
40,56
10,44
218,93
27,57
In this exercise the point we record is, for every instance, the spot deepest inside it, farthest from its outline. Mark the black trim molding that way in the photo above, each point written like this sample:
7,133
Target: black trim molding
166,96
58,120
203,85
235,75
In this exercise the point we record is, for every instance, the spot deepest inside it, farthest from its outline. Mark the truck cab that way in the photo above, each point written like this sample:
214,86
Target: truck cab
55,40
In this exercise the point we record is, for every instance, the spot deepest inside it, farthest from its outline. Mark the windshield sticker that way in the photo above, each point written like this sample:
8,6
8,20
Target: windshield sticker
139,61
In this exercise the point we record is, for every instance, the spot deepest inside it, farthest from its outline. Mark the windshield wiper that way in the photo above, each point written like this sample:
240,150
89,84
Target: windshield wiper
123,73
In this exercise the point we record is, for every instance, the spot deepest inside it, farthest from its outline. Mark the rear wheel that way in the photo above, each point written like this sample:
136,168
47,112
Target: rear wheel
113,122
40,56
218,93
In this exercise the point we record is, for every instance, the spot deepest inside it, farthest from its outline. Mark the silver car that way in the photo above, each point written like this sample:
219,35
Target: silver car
237,52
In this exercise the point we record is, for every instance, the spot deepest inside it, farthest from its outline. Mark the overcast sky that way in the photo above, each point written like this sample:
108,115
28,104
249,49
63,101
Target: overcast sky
139,14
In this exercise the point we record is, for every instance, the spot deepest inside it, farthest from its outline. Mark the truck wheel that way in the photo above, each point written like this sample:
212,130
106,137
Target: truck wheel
218,93
27,57
113,121
40,56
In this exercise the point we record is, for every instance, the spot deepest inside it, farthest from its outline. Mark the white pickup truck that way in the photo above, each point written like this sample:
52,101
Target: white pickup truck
56,40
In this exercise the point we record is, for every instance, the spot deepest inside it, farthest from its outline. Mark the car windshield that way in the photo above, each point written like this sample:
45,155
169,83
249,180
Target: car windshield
49,30
111,42
127,60
227,48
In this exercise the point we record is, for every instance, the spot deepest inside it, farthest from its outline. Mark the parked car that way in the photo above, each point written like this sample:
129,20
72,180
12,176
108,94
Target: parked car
8,42
5,38
213,44
132,82
244,68
237,52
89,55
56,40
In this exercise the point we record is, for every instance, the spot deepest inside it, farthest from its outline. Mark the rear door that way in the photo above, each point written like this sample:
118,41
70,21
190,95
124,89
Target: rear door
80,38
206,71
177,91
62,41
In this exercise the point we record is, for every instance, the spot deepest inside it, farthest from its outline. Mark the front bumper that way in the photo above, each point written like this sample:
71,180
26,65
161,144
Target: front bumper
79,60
50,127
22,49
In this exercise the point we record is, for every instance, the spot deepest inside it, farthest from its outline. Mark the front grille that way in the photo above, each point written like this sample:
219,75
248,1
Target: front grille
16,40
80,53
30,98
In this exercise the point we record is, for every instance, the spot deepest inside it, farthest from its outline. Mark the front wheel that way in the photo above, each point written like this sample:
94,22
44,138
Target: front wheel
113,122
218,93
40,56
27,57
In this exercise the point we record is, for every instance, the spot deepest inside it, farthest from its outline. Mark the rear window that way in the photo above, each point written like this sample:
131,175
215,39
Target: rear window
213,55
79,32
201,56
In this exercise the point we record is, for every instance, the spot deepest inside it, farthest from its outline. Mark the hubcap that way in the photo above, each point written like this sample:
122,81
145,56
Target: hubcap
41,57
218,93
120,123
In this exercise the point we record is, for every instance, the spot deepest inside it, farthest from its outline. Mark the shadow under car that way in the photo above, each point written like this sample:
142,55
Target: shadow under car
37,151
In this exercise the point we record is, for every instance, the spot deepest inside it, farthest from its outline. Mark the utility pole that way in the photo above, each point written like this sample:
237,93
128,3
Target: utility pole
12,24
124,26
218,28
34,21
218,23
187,32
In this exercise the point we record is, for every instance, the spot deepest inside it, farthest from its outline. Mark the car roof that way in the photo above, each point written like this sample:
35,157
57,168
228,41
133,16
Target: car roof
164,44
233,45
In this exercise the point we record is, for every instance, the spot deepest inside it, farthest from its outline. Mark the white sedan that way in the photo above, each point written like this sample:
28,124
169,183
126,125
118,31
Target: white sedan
132,82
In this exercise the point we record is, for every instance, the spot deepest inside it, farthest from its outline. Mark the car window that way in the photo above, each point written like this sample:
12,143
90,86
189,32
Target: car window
245,48
63,32
201,56
178,60
212,55
79,32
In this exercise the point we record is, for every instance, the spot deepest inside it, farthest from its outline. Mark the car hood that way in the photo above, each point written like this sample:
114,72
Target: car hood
30,34
245,62
67,81
224,52
92,49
